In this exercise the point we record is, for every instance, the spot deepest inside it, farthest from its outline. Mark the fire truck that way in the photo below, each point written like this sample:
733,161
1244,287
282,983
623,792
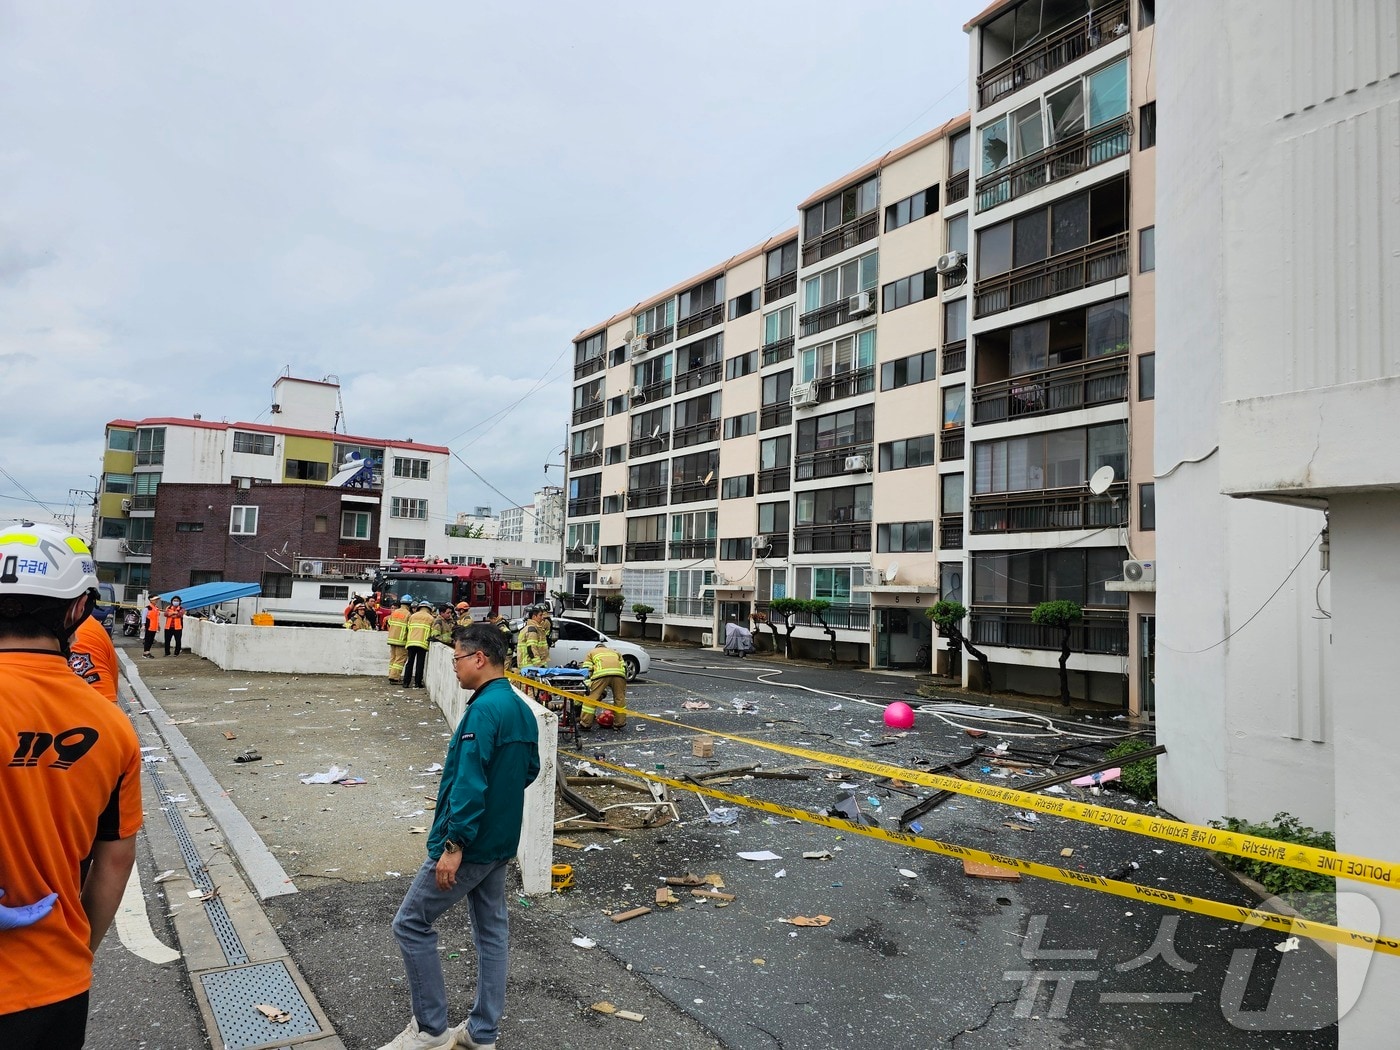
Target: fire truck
508,589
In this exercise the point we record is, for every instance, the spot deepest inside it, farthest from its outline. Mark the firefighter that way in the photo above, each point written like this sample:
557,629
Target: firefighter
532,646
464,614
444,624
397,625
420,629
359,618
606,674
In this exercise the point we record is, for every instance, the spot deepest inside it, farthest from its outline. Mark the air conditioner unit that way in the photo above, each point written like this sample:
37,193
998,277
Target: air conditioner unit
245,483
951,262
589,550
857,464
1140,571
803,395
860,304
605,579
309,568
762,543
720,579
863,577
638,348
637,395
126,506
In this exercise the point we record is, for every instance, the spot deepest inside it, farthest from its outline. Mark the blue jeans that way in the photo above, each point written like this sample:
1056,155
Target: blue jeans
484,886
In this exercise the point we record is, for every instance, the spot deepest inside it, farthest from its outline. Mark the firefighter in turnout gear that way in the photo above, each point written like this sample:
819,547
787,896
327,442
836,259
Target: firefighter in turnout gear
606,674
532,647
420,630
397,625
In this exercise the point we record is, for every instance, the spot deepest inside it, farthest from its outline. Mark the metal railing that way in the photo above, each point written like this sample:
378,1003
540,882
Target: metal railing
955,278
950,532
334,568
696,434
660,338
775,479
1048,510
847,235
781,350
587,367
1065,158
779,415
654,392
838,616
651,496
952,443
778,546
1078,385
832,461
648,446
825,539
586,505
588,413
955,357
832,315
694,607
1069,271
137,548
1058,49
652,550
706,318
1100,632
955,188
780,287
694,491
846,384
144,502
708,373
588,459
693,548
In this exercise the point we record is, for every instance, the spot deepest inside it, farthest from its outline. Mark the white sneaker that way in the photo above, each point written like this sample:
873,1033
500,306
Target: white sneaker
411,1038
464,1039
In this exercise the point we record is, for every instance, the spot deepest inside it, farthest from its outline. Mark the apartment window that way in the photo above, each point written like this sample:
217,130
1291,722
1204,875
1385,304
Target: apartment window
777,326
1147,507
306,470
121,440
651,371
848,354
189,526
1147,377
777,391
1027,578
334,592
586,396
610,555
617,356
841,282
704,296
918,368
1147,249
402,547
904,537
648,476
150,446
853,426
1059,459
736,549
831,584
741,426
909,290
588,349
960,152
1096,331
692,526
586,442
1147,126
954,405
955,321
1069,223
146,485
402,507
650,426
254,444
772,583
781,261
774,518
950,580
657,319
911,209
355,524
736,487
952,497
614,454
744,304
908,453
584,535
832,506
112,529
411,468
702,409
957,234
742,365
613,504
277,585
117,483
841,208
1147,13
243,521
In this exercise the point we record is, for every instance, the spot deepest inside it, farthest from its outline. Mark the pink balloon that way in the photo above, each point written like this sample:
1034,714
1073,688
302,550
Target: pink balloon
899,715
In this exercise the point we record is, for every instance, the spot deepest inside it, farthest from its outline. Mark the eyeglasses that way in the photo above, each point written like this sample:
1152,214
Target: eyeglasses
463,656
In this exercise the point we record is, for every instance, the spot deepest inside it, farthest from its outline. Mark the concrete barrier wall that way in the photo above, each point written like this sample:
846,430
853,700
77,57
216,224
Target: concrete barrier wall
312,650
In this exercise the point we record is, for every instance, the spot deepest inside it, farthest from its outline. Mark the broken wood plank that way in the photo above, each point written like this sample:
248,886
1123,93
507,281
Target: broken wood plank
707,894
773,774
665,897
977,870
634,913
629,1015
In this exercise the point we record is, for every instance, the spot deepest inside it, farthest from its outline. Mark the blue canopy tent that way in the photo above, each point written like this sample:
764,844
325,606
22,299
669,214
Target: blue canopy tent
204,595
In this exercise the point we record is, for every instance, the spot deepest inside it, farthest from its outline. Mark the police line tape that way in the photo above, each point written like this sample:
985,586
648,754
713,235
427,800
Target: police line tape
1253,847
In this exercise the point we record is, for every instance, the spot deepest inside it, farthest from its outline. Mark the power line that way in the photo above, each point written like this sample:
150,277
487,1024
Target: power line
32,498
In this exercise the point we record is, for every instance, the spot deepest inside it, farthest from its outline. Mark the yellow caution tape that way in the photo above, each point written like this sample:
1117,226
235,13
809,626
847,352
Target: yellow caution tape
1167,898
1291,855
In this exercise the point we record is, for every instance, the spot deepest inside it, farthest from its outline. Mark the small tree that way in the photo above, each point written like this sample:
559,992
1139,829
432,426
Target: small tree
817,606
640,611
948,617
1061,615
613,602
758,619
787,608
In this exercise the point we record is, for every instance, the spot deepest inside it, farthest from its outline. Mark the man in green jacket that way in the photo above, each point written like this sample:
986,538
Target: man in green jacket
494,755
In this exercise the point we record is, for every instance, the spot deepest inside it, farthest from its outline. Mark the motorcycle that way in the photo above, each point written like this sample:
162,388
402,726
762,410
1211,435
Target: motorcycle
131,623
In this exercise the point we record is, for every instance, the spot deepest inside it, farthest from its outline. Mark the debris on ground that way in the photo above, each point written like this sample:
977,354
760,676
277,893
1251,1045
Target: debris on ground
759,855
275,1014
331,776
803,920
977,870
631,913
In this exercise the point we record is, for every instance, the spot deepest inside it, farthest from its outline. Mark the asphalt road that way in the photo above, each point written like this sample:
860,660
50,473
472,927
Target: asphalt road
930,959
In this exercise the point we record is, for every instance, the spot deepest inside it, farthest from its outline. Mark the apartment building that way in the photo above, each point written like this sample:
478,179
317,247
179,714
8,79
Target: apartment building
1056,404
391,495
537,522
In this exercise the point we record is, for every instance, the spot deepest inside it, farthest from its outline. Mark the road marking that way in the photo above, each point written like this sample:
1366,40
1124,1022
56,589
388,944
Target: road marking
134,925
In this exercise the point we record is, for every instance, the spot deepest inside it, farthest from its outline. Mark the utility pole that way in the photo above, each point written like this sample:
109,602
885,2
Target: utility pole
563,506
73,512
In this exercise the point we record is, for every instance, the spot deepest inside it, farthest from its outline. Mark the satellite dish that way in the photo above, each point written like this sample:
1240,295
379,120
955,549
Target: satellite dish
655,432
1102,479
593,448
891,571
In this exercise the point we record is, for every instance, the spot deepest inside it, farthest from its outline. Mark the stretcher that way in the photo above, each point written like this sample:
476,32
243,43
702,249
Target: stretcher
570,679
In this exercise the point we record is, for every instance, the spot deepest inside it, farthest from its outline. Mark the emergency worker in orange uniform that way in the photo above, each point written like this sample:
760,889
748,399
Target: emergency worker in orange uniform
152,626
174,624
93,658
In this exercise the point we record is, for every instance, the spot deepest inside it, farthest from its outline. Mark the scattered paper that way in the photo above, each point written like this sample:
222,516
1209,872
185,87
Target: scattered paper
592,846
696,705
1068,851
165,876
273,1013
436,767
154,747
724,815
417,831
1289,945
803,920
1028,816
330,776
908,874
781,873
818,854
585,942
760,855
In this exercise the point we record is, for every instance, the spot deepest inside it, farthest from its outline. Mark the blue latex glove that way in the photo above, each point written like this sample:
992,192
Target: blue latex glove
26,915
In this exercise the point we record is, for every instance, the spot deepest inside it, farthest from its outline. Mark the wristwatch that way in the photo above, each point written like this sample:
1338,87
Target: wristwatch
451,847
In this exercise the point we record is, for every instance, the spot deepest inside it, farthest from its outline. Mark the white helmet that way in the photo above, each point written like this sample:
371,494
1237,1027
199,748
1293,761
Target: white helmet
44,561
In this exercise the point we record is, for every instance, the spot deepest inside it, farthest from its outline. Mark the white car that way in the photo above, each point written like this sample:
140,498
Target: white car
577,639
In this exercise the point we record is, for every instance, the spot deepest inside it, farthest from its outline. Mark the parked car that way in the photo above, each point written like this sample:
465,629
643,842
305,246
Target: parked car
574,639
105,611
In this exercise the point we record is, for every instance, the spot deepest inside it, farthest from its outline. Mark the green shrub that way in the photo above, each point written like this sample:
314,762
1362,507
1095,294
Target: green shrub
1290,883
1139,778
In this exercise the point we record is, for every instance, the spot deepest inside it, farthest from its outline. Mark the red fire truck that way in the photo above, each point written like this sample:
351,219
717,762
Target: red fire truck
508,589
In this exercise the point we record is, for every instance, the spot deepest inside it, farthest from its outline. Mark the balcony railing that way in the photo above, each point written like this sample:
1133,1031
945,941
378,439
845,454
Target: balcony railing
1063,389
830,462
694,491
832,315
778,351
956,186
955,357
954,278
779,415
699,322
693,607
696,434
950,532
653,392
1100,632
588,459
1065,158
586,505
651,496
145,502
951,443
1058,49
648,446
137,548
847,235
779,287
1048,510
698,377
693,548
652,550
588,413
775,479
581,553
587,367
827,539
838,616
778,546
150,457
1069,271
660,338
846,384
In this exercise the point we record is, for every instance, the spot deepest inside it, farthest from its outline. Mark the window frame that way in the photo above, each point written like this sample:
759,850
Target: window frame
353,535
238,516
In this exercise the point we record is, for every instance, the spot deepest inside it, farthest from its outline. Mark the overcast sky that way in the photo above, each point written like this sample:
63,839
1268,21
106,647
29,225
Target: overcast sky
427,200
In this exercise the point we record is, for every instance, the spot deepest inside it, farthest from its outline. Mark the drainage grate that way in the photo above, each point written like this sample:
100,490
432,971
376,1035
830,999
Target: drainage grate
215,910
234,994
